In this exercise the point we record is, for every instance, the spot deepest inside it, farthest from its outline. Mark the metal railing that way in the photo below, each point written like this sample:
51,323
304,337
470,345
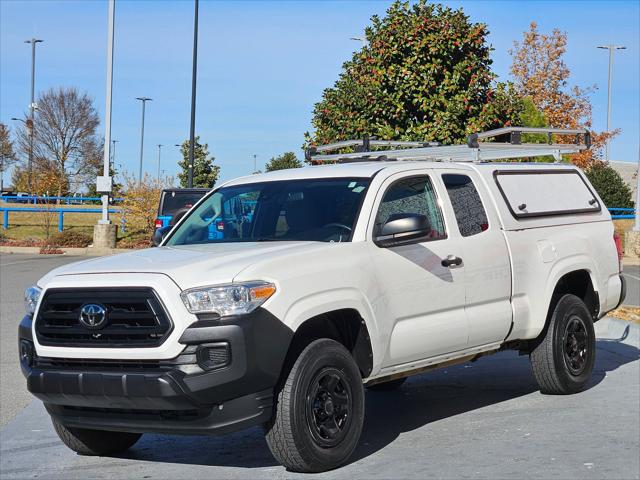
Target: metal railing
68,200
624,213
60,211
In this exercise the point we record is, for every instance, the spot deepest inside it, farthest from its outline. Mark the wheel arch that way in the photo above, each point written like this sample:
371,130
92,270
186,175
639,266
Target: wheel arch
579,282
344,325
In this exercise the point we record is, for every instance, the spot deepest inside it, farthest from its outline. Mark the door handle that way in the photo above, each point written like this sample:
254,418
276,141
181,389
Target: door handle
451,260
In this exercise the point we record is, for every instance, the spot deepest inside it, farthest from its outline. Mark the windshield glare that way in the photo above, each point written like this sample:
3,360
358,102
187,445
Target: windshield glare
322,210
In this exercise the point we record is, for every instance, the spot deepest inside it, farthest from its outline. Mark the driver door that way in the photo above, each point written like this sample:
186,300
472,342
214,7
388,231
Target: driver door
422,293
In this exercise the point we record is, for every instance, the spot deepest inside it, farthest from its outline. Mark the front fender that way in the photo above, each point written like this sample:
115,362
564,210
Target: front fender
317,303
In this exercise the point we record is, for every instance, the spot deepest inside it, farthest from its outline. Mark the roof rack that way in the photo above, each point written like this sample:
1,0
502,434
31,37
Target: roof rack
474,151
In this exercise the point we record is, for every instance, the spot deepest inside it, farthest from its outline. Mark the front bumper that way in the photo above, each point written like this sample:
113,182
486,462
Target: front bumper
173,396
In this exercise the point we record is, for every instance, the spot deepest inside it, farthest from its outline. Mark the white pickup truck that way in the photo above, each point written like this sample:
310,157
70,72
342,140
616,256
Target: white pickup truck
279,297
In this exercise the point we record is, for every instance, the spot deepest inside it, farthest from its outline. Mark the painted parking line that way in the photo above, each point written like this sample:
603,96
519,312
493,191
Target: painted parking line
631,276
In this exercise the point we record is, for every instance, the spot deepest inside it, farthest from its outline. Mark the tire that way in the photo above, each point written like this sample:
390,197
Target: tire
309,432
388,386
178,216
95,442
563,360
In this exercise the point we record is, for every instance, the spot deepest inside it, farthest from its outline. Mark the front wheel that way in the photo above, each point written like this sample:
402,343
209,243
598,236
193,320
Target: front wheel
320,410
563,360
94,442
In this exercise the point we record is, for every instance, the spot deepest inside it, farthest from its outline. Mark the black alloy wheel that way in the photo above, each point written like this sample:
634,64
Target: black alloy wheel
329,407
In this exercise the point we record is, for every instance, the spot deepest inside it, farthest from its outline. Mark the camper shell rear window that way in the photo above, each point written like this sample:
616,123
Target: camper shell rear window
541,193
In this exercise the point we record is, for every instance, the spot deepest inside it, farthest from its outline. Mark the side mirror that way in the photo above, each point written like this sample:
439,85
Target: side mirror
402,229
159,235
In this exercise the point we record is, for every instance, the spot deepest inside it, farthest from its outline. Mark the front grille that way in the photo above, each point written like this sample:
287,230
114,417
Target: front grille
49,363
135,317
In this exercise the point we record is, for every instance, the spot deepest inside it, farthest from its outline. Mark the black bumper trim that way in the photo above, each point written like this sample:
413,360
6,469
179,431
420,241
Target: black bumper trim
237,414
142,396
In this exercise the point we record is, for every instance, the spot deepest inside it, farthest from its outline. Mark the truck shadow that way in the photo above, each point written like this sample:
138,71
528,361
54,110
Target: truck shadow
422,400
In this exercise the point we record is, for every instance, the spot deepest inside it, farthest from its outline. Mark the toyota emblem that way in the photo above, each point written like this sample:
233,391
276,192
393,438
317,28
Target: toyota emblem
93,316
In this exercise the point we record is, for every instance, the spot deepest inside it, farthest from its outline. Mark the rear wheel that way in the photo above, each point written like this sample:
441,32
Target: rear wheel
563,360
320,410
94,442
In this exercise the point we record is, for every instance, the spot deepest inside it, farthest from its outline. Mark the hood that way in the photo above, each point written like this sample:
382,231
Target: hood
189,265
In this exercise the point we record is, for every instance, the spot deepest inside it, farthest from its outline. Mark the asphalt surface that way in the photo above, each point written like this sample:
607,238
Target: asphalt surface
479,420
16,273
631,273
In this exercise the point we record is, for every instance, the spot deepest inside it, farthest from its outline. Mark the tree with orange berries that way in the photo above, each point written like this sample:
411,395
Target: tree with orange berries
540,74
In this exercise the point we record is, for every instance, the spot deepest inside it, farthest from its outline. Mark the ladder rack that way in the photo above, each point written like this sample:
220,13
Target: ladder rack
474,151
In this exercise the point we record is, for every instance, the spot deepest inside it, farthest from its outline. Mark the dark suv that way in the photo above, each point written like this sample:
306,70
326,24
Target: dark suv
175,202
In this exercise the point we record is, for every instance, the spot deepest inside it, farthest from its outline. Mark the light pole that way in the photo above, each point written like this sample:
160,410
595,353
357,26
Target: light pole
1,173
32,107
192,128
255,164
159,153
612,49
29,126
113,153
144,101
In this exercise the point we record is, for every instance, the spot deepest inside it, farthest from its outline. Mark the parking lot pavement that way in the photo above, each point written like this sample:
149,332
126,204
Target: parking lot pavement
632,275
16,273
480,420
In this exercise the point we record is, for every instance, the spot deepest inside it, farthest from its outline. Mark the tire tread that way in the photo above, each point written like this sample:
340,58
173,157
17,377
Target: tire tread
543,356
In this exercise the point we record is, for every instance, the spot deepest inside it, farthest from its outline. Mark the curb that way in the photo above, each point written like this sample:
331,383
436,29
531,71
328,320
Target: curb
90,251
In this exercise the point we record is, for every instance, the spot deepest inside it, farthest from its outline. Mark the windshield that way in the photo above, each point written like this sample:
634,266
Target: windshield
322,210
174,201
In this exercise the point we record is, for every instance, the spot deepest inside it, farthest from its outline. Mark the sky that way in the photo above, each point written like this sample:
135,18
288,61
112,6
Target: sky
262,65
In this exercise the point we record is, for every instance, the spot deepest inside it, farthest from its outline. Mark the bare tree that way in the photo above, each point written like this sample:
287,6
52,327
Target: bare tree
7,155
65,135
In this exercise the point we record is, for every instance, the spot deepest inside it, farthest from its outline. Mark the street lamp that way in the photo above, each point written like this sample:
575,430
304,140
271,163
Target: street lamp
194,72
32,106
28,123
612,49
144,101
360,39
113,153
159,153
180,147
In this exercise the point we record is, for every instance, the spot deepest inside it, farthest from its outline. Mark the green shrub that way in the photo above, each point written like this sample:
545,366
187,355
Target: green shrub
610,186
69,238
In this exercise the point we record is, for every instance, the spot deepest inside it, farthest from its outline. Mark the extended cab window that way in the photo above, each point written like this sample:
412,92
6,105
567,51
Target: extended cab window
321,210
466,203
413,195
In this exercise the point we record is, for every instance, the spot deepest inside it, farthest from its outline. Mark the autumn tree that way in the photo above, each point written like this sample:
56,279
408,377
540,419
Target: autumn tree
46,179
7,154
424,74
64,137
140,205
205,173
284,161
541,74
